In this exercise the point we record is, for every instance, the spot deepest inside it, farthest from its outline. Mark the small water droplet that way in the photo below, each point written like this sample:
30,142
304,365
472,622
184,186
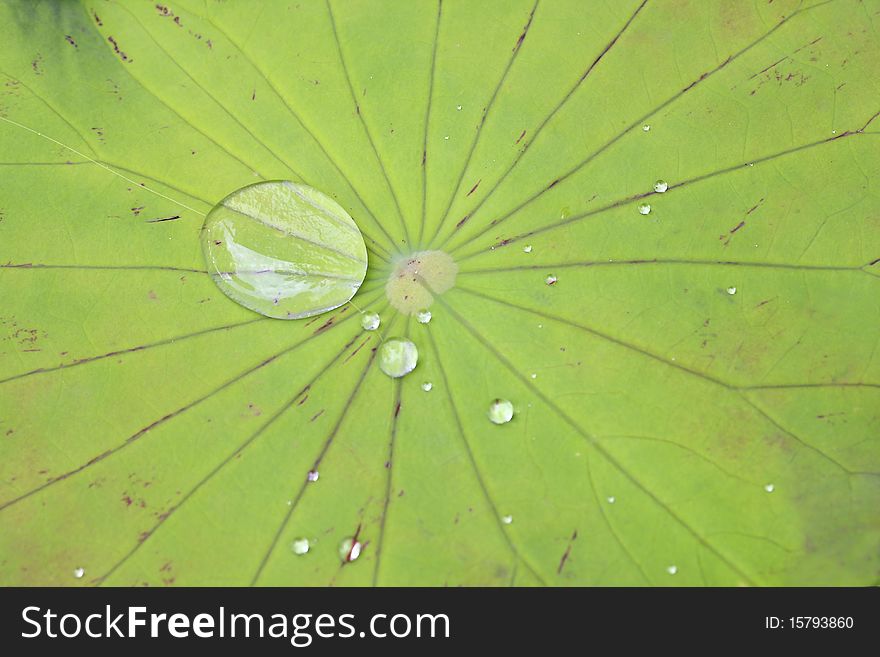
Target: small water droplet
533,375
350,550
501,411
424,316
507,519
769,488
834,132
646,127
644,208
540,326
79,572
313,475
446,138
565,212
527,248
300,546
672,570
611,499
398,357
458,107
427,385
551,280
661,186
370,321
731,290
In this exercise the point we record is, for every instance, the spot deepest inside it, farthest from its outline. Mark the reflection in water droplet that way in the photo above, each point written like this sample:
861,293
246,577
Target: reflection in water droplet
611,499
527,248
661,186
507,519
769,488
731,290
79,572
644,208
500,411
313,475
284,250
424,316
672,570
370,321
398,357
427,385
350,549
300,546
551,280
646,127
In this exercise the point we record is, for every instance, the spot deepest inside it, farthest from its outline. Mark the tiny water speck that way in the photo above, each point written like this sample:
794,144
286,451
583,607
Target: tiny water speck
661,186
501,411
424,316
313,475
507,519
446,138
646,127
458,107
769,488
644,208
551,280
672,570
79,572
533,375
350,549
398,357
427,385
300,546
611,499
527,248
370,321
731,290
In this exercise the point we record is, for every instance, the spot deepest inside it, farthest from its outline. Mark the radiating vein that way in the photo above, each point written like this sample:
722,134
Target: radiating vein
639,121
591,440
229,458
496,515
365,126
536,133
483,116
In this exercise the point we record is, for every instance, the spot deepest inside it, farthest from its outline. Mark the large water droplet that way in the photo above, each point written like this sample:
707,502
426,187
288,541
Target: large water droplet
350,549
398,357
527,248
370,321
79,572
731,290
284,250
644,208
661,186
501,411
300,546
424,316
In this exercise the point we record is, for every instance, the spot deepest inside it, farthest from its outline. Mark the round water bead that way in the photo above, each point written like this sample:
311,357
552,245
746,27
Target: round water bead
284,250
500,411
398,357
370,321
